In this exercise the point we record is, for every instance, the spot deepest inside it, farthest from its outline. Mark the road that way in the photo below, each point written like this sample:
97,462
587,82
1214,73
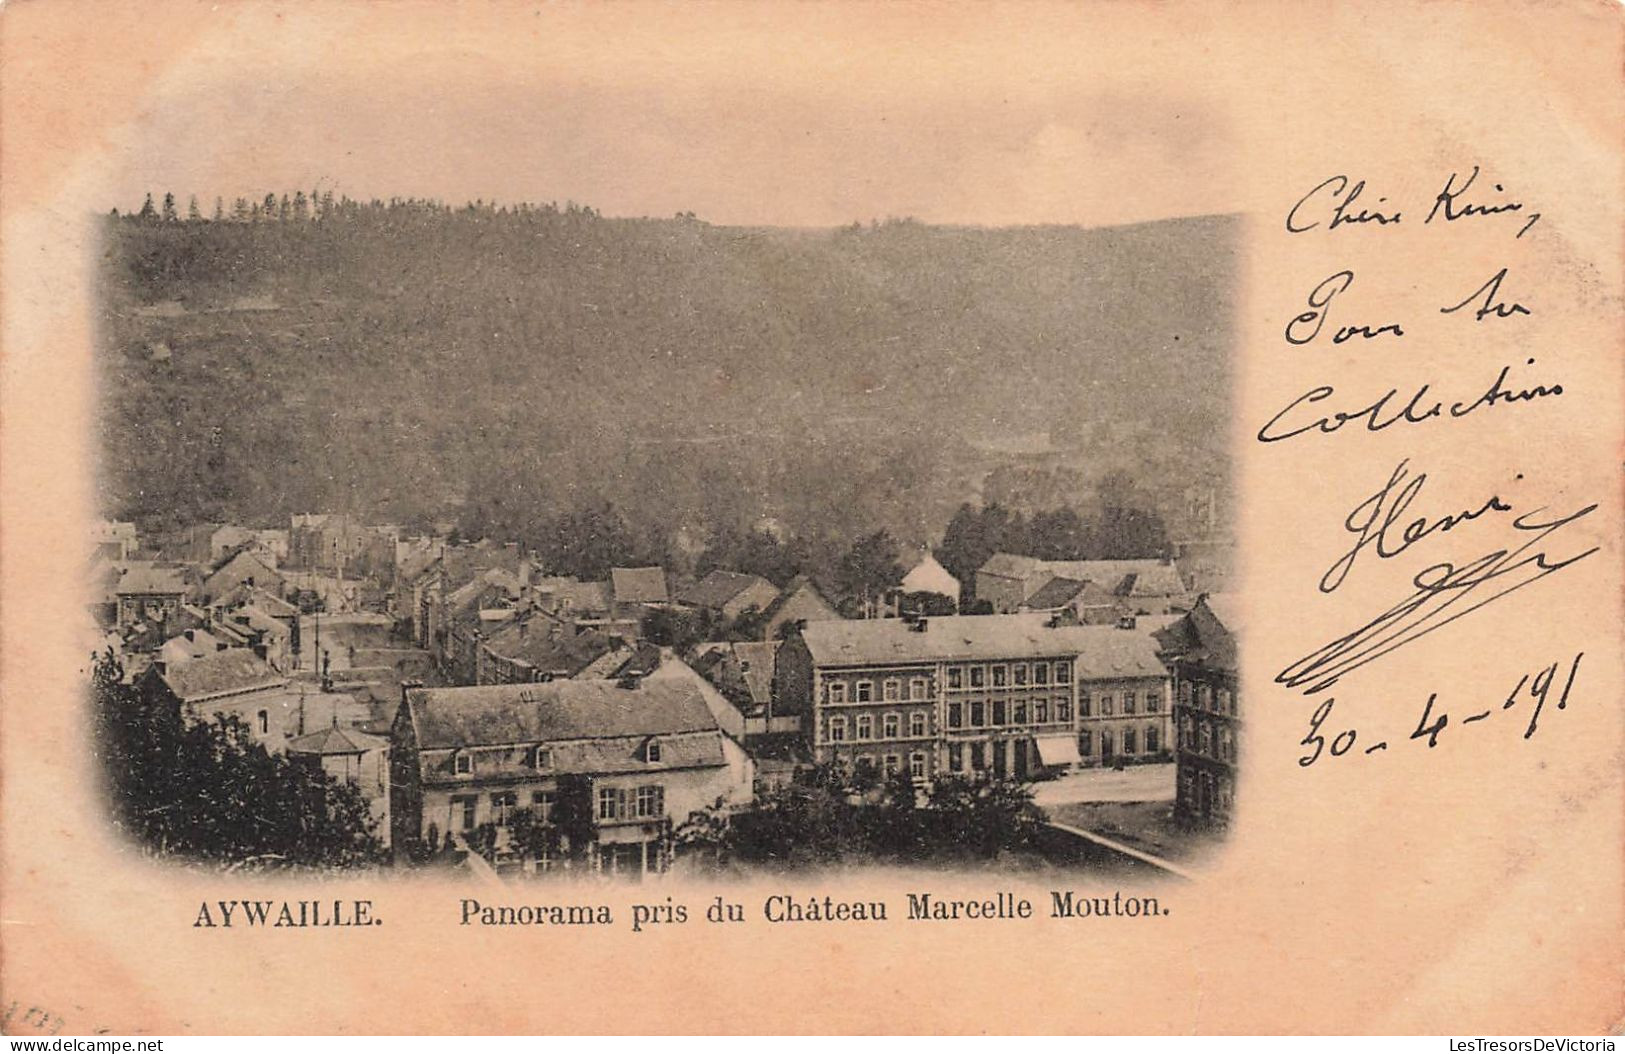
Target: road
1135,783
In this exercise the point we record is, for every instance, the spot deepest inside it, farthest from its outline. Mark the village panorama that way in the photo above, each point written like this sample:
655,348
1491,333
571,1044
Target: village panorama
523,542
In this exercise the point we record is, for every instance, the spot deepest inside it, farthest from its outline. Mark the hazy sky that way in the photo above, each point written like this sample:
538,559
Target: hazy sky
805,115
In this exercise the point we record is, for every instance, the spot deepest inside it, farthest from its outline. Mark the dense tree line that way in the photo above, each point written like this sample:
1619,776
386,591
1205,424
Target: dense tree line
1124,530
830,815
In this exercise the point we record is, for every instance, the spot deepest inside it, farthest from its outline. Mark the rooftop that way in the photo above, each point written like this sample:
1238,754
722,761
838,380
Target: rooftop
233,670
1149,577
494,715
639,585
329,741
719,587
877,641
145,578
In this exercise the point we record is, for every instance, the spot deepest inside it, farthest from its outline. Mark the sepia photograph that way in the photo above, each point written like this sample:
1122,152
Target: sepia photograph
524,538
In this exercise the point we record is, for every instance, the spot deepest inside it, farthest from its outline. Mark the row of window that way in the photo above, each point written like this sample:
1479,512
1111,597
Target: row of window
541,758
1107,703
892,764
981,675
978,754
1206,697
999,712
891,690
1203,796
1129,742
1200,737
1009,674
503,805
891,726
647,802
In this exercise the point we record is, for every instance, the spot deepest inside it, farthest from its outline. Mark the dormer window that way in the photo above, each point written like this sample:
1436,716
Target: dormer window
463,763
544,758
651,751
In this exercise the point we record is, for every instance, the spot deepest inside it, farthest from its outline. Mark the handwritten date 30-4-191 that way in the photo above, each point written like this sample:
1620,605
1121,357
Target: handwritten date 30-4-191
1531,693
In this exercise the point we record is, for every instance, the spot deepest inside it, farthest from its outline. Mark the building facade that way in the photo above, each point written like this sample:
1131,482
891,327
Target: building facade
966,695
1207,712
644,755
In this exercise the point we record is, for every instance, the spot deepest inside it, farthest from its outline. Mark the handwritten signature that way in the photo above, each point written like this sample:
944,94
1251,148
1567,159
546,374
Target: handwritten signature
1444,592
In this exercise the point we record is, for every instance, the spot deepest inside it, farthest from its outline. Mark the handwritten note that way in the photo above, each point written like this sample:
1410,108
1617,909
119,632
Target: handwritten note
1457,559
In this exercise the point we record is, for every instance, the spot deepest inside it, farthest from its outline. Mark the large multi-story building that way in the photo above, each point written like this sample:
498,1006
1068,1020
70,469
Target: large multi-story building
996,694
1207,712
649,753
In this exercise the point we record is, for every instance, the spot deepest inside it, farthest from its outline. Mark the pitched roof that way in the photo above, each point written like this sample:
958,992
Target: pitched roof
1106,652
1009,565
145,578
639,585
749,665
1226,608
1123,577
199,644
877,641
644,659
257,618
575,594
233,670
719,587
1211,629
927,574
529,642
1147,577
801,599
329,741
413,560
1056,593
553,711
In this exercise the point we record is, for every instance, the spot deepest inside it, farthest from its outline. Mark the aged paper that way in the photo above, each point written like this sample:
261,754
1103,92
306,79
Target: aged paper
1366,258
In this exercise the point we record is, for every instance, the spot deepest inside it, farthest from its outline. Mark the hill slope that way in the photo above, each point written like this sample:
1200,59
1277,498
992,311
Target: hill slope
412,362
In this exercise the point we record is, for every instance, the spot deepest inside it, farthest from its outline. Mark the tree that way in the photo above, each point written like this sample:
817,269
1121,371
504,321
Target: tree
193,213
869,569
706,832
1057,534
748,625
971,537
148,212
219,208
674,628
924,602
206,791
169,208
1128,530
982,816
574,815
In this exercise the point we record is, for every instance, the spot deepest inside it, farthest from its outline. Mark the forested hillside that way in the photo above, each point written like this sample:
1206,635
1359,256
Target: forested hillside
412,363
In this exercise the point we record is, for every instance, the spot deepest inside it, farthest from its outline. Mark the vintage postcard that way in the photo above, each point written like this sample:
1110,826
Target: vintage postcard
820,517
